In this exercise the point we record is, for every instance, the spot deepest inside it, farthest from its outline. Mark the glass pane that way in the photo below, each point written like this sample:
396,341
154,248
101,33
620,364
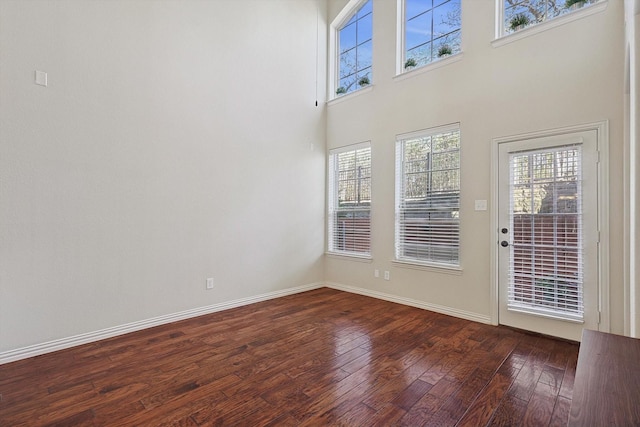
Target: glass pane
511,12
422,54
521,199
446,18
348,63
445,142
351,21
445,180
418,30
445,160
364,74
367,8
348,84
416,149
537,8
364,55
416,185
347,37
364,29
415,7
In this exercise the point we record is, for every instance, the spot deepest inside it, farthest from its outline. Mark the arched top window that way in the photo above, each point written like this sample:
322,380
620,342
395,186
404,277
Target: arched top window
354,42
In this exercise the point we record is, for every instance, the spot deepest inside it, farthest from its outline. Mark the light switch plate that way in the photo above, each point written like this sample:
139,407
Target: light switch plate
481,205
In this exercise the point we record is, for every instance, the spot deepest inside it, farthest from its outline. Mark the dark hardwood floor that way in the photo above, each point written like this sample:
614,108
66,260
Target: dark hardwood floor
322,357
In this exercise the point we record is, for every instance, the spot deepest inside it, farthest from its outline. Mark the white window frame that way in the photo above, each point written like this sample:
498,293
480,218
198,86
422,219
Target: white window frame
342,18
332,201
401,46
399,199
502,38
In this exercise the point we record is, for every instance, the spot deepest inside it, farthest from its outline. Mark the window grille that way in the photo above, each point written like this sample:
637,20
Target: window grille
428,197
350,200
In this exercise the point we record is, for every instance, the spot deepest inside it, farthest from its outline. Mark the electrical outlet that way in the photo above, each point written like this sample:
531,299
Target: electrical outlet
210,283
387,276
376,273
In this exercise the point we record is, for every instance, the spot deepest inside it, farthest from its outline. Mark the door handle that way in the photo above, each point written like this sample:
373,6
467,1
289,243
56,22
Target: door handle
504,243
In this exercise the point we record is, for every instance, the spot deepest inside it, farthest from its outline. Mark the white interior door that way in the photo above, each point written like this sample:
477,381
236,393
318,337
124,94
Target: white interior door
548,234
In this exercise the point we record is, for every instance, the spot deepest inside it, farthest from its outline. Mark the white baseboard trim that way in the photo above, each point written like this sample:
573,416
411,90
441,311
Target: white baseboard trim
467,315
89,337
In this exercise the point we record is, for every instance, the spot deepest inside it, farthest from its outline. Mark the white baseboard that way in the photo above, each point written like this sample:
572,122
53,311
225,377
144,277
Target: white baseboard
89,337
467,315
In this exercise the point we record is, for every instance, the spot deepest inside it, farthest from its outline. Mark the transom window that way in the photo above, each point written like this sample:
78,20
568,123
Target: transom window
350,200
520,14
355,51
428,197
431,31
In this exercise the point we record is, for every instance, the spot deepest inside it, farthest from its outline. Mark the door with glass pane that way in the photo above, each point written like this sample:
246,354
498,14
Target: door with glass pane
548,234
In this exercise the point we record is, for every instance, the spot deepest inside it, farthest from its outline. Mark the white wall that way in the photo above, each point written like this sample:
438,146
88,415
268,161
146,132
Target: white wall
176,140
569,75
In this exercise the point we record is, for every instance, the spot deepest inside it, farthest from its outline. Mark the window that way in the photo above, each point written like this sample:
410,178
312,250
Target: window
354,53
519,14
428,196
350,200
431,31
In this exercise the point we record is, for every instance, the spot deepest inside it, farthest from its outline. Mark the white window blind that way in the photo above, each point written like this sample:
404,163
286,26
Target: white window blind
546,270
428,197
350,200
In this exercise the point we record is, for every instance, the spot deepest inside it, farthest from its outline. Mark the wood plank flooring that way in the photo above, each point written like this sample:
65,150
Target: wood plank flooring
322,357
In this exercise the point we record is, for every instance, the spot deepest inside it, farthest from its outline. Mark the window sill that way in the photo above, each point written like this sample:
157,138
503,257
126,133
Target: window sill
552,23
432,66
547,314
349,257
435,267
351,95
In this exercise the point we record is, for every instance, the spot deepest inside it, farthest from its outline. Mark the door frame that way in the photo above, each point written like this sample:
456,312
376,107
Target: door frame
602,130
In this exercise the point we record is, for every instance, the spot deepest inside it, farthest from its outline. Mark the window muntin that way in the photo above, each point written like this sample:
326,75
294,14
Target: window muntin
355,41
350,200
428,197
432,31
519,14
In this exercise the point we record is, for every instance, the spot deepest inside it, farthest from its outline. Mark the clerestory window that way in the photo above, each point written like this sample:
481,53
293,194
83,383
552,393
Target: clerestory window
520,14
432,30
355,42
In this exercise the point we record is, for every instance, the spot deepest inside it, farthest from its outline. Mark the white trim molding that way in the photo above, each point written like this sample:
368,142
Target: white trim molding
89,337
462,314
